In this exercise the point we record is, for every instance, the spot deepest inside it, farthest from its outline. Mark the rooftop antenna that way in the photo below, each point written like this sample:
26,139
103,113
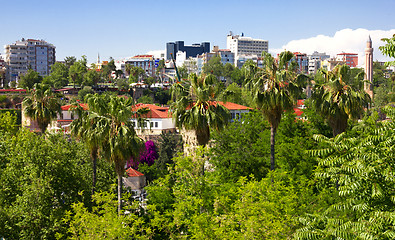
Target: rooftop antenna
98,58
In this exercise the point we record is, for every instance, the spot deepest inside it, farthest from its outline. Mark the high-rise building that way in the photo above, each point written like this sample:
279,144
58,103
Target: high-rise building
29,54
240,45
369,68
350,59
191,51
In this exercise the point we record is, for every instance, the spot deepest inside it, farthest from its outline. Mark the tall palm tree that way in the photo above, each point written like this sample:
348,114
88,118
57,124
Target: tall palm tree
112,115
86,129
275,90
337,101
41,106
195,107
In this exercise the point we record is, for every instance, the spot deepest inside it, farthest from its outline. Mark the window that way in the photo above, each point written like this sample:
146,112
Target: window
156,124
151,124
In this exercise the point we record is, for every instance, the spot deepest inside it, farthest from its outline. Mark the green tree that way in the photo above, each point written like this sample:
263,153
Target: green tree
69,61
275,90
42,106
146,99
389,49
78,70
59,76
160,70
91,78
123,84
103,222
30,78
8,122
362,169
195,107
40,179
136,73
214,66
336,101
85,91
112,114
87,130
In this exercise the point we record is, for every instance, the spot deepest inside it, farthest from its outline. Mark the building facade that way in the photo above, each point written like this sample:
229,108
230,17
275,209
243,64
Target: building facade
240,45
350,59
146,62
29,54
302,60
315,60
190,51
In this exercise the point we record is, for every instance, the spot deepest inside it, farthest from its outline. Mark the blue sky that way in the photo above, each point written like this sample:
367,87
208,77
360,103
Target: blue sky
122,28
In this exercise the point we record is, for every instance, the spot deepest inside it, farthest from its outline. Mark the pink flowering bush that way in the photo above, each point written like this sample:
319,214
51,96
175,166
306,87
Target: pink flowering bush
148,156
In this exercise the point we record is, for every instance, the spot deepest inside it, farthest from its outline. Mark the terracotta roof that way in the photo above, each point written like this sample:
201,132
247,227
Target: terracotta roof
298,112
155,111
12,90
133,173
67,107
64,120
233,106
300,102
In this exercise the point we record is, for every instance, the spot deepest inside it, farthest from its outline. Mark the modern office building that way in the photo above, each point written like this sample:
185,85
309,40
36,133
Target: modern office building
29,54
240,45
191,51
351,59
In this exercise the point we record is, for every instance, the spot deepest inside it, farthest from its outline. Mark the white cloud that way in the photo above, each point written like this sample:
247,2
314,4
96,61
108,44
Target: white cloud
345,40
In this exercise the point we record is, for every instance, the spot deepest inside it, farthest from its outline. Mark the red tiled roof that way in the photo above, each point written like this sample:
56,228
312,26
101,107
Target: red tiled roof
143,56
133,173
64,120
67,107
300,102
298,112
155,111
347,54
233,106
12,90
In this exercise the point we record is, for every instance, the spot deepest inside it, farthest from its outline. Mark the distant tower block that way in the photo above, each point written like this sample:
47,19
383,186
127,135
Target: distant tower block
369,68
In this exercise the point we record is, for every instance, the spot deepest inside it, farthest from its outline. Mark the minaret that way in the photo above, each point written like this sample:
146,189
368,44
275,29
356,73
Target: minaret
369,68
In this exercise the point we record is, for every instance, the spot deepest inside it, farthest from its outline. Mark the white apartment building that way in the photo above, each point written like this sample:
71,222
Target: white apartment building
28,54
240,45
315,60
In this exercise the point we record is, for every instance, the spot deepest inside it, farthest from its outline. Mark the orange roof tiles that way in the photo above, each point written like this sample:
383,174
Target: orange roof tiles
233,106
133,173
67,107
155,111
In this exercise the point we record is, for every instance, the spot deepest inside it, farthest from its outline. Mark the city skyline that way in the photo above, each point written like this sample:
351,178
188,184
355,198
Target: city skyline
127,28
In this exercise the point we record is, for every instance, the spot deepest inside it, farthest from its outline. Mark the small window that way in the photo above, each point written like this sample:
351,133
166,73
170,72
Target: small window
151,124
156,124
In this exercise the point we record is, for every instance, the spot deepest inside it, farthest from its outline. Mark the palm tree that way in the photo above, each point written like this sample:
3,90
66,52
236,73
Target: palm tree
112,115
84,128
337,101
195,107
41,106
275,90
